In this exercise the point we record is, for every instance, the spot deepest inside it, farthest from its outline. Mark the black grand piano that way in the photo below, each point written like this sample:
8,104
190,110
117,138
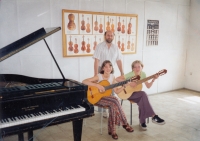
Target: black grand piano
28,103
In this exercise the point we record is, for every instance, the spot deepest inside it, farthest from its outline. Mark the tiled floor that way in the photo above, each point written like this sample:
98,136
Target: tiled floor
180,109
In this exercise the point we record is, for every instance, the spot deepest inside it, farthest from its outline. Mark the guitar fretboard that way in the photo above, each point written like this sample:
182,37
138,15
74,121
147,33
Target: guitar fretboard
116,84
145,79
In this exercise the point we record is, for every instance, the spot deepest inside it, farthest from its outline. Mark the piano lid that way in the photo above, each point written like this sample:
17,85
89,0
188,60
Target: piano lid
25,42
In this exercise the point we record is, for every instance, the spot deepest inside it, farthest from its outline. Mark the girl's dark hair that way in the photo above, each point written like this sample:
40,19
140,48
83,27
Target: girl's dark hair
103,65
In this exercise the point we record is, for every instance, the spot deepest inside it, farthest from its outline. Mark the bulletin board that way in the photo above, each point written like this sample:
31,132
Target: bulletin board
82,31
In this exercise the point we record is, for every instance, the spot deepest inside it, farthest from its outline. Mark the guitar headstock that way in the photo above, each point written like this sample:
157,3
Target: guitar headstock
162,72
135,78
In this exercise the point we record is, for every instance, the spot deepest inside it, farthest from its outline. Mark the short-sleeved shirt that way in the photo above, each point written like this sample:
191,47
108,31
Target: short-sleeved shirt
131,74
110,79
102,53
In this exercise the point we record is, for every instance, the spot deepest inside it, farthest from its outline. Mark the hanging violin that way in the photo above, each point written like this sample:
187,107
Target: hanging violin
123,28
88,47
96,25
128,43
100,27
119,43
112,27
122,49
129,27
88,26
70,48
108,25
82,23
119,25
95,43
75,46
83,45
132,45
71,25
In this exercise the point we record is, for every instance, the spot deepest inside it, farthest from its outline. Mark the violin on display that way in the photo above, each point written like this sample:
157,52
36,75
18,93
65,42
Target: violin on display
132,46
70,48
88,26
129,43
71,25
112,27
95,43
122,49
96,28
123,28
83,48
129,27
108,25
119,43
75,46
119,25
88,47
82,23
100,27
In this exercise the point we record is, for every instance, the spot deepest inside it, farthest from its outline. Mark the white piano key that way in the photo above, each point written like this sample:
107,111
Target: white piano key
20,121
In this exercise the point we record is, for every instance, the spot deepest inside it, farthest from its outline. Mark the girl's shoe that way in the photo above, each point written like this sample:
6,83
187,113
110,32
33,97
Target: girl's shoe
114,136
128,128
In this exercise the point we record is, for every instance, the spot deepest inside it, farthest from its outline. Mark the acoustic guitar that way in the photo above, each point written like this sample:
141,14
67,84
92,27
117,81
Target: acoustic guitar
127,92
94,95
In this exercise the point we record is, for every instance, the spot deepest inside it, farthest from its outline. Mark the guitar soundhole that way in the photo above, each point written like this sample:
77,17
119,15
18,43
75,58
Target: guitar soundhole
91,92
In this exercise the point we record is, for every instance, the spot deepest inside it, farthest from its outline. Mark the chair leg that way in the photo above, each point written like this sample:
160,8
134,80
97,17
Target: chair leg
84,122
131,113
121,102
101,118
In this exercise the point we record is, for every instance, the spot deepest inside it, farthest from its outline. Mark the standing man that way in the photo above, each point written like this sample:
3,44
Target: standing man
107,51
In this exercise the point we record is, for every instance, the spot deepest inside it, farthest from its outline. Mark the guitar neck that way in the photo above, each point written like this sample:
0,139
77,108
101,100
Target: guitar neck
116,84
145,79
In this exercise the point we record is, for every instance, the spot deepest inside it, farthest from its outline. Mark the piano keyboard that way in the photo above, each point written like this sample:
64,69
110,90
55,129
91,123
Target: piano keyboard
8,122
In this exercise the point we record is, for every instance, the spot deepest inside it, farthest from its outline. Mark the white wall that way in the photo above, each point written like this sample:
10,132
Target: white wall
192,74
21,17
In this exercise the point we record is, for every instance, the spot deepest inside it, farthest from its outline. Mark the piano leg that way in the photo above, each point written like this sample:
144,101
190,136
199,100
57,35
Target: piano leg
77,129
20,137
1,138
30,135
